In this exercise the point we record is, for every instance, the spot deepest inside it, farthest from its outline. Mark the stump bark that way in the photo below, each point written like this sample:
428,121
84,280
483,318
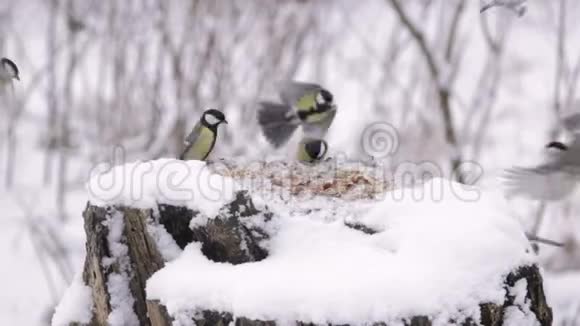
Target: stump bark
224,238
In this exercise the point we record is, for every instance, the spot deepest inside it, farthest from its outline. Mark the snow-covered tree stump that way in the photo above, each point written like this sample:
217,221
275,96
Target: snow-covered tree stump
136,257
281,262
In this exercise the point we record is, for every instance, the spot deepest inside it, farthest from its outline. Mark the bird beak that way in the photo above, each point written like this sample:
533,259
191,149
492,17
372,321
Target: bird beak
17,78
225,121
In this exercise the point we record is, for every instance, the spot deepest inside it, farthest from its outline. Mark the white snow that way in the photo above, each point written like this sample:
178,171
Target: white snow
165,181
118,250
165,243
75,305
520,313
439,256
121,300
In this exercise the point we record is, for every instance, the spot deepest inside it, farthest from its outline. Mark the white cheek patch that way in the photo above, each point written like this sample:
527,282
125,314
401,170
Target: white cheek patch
323,150
320,99
211,119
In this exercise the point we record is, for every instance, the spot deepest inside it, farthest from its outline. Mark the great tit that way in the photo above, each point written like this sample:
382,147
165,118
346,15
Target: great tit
518,6
303,104
311,150
201,140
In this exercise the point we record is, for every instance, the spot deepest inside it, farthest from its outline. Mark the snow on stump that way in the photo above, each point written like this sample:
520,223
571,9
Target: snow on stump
287,244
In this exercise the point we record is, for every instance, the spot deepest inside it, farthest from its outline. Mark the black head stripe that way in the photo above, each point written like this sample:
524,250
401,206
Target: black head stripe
326,95
316,149
216,113
312,148
325,102
302,114
557,145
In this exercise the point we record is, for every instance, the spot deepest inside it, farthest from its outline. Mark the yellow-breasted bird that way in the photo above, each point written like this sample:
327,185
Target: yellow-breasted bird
201,140
303,104
311,150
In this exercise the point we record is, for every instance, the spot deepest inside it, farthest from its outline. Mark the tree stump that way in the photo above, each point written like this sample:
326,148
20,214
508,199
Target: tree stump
224,239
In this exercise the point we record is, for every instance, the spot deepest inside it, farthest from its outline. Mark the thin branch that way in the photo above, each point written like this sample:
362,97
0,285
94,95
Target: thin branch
560,56
442,90
493,45
453,29
418,36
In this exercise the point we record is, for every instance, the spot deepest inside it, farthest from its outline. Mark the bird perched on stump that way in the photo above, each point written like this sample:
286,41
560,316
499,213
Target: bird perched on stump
302,104
311,150
201,140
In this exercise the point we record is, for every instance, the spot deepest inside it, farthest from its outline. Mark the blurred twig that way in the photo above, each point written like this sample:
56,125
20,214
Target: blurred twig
440,81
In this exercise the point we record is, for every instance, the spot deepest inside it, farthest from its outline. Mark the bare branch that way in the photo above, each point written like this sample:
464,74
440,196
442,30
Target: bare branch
442,90
418,36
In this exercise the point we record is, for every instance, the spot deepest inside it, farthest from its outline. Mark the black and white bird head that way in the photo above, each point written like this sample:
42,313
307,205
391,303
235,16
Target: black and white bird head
316,149
324,100
213,118
9,70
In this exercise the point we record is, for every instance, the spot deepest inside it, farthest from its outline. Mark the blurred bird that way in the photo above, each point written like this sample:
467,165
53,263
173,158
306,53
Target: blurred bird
518,6
8,72
201,140
311,150
303,104
558,176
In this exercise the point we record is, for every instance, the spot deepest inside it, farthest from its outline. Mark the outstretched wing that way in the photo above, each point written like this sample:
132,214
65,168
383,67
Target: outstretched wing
278,122
551,180
544,182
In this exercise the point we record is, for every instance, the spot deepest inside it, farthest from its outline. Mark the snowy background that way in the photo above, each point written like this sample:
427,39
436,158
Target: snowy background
116,81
